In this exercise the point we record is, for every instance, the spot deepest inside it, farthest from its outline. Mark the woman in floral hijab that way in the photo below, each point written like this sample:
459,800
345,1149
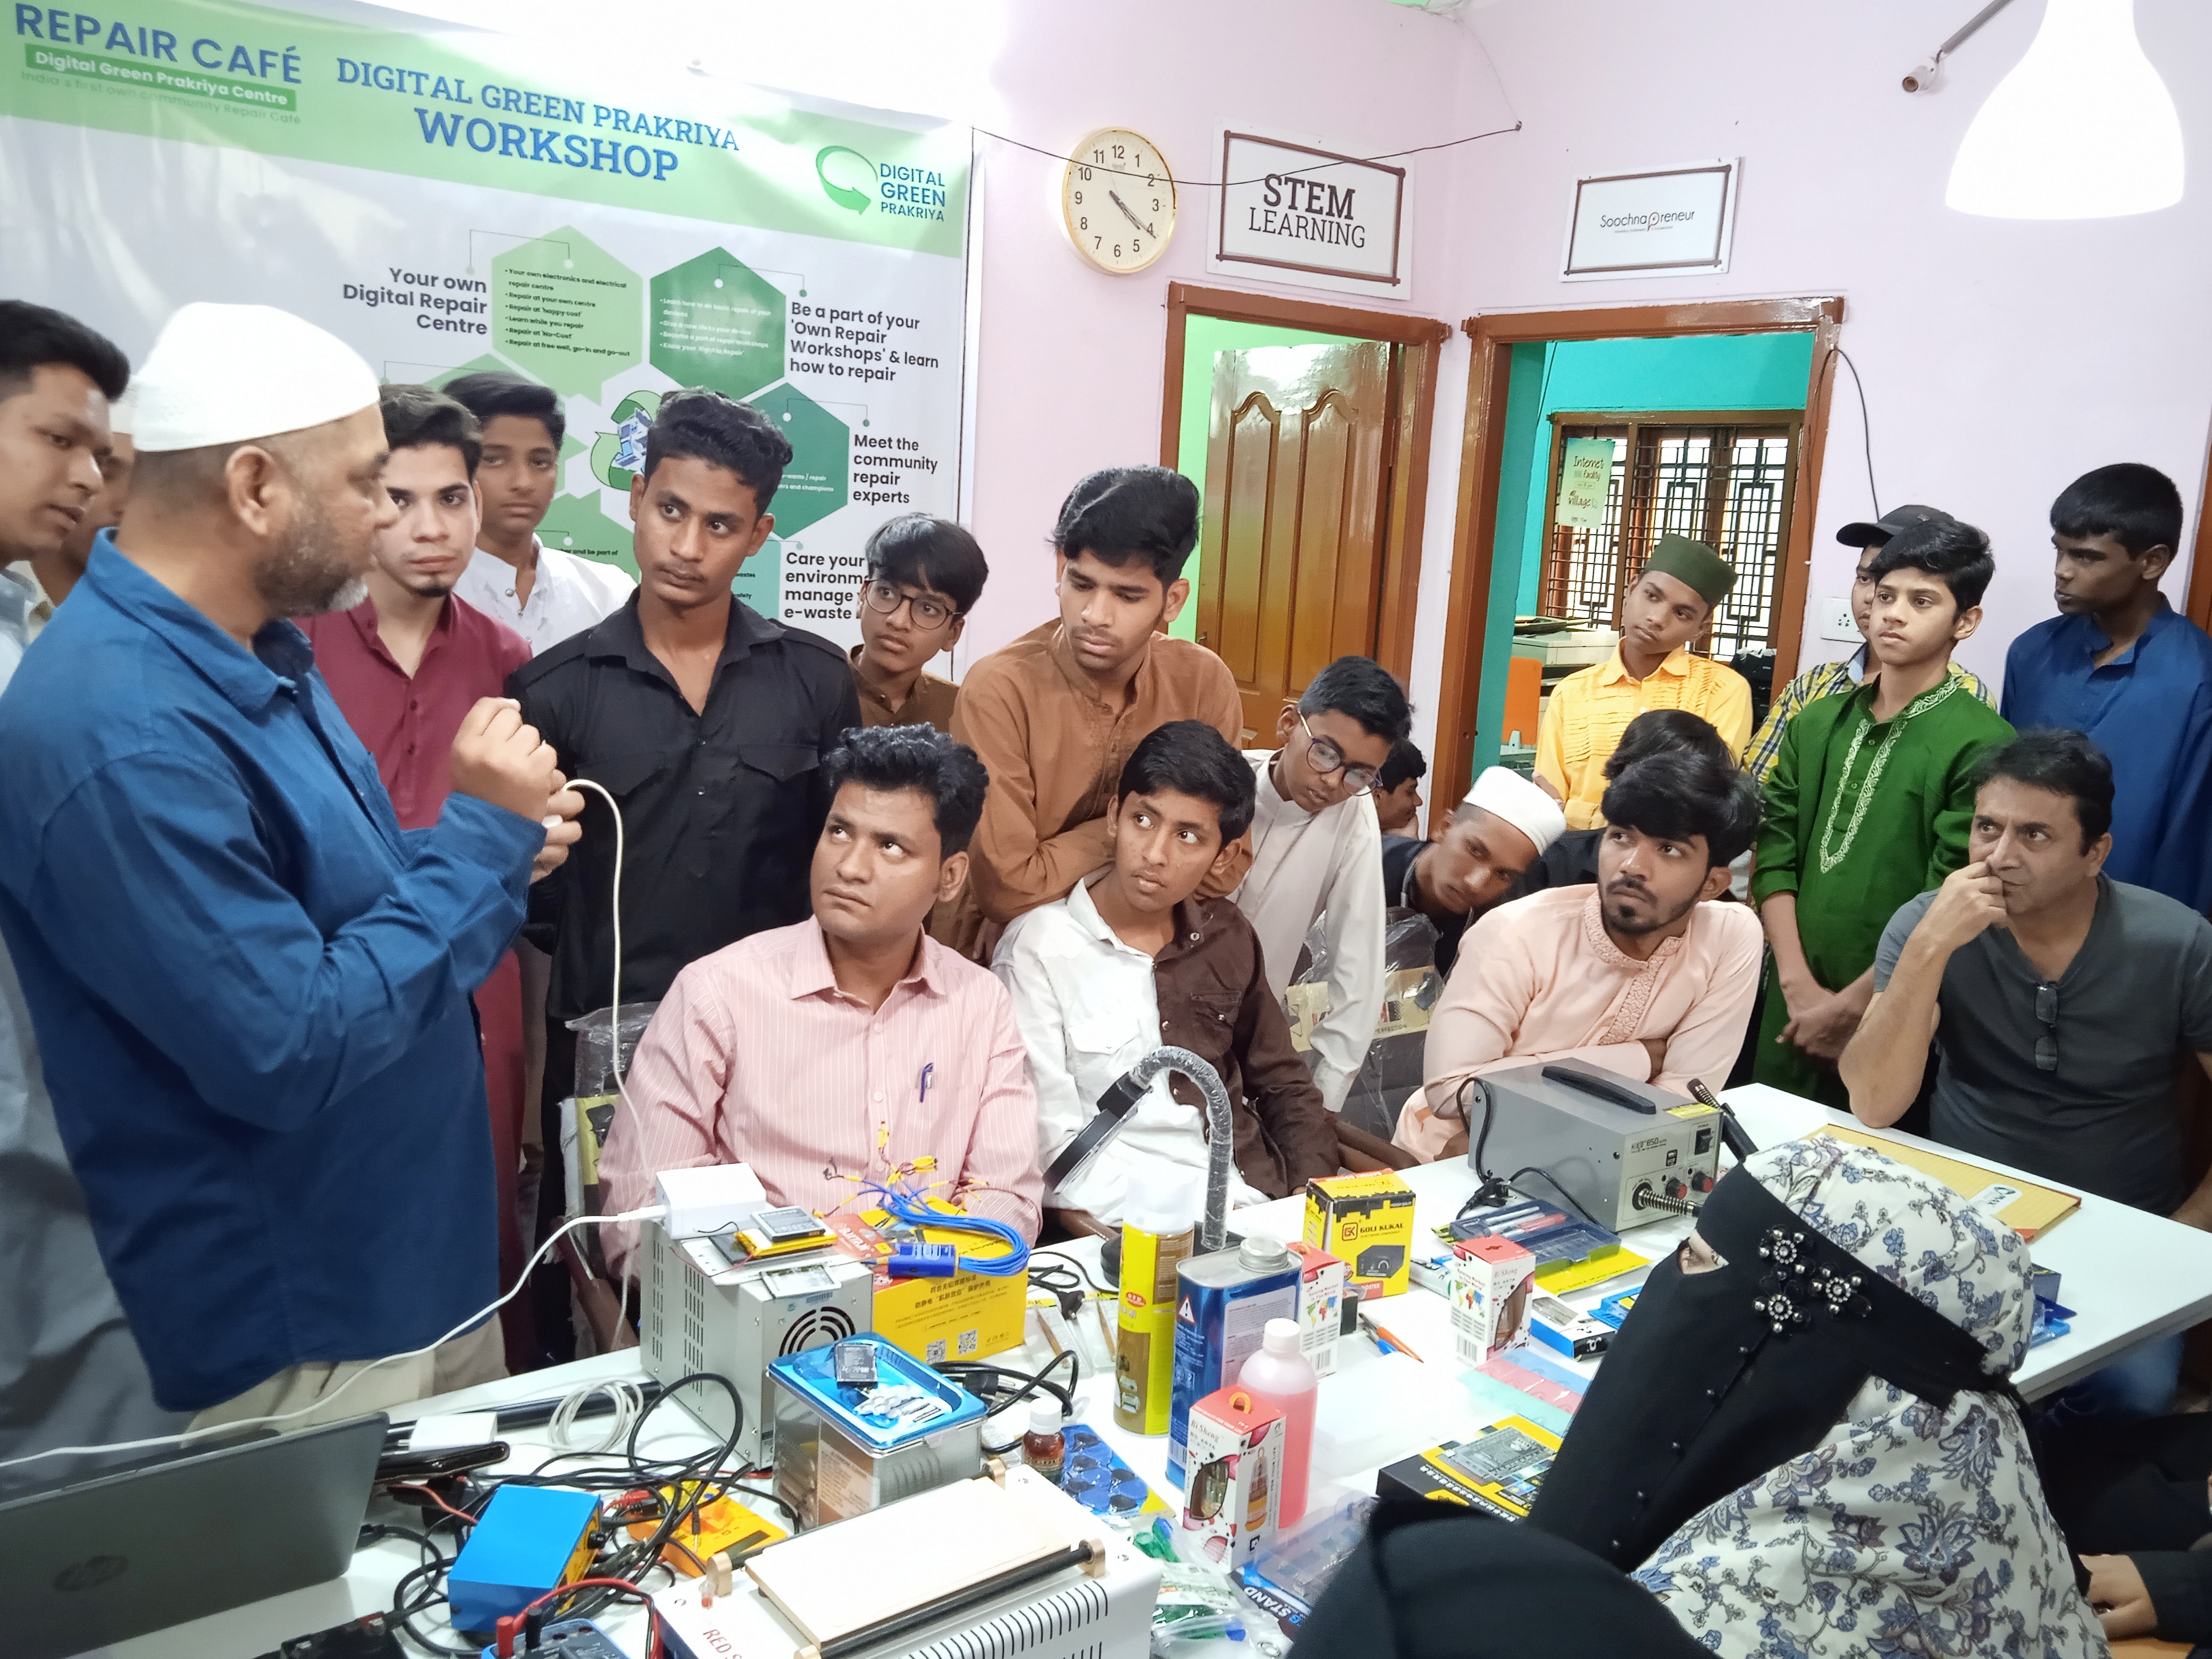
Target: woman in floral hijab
1804,1434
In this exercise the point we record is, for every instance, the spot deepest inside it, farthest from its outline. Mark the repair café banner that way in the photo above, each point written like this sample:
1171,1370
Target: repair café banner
451,200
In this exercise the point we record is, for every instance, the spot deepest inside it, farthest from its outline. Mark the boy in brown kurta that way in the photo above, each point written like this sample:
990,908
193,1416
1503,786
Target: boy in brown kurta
1055,713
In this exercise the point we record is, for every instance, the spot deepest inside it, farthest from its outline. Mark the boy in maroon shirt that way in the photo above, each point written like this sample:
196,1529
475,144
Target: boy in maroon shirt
406,665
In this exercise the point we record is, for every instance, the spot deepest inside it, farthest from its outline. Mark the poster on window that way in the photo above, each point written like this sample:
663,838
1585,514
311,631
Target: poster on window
1585,482
449,200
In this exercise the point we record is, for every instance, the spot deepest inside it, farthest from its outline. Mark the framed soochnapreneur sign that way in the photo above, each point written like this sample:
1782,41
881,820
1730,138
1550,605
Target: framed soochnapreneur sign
1660,222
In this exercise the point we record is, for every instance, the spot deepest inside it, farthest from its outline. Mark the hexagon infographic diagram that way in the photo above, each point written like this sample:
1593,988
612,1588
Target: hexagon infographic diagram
490,364
715,322
817,481
576,525
484,364
759,581
619,455
567,310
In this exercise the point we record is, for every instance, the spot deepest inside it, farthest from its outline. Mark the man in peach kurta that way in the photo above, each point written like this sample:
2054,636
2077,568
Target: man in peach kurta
1651,972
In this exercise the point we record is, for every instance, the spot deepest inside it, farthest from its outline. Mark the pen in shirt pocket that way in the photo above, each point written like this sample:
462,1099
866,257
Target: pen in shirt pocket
922,1089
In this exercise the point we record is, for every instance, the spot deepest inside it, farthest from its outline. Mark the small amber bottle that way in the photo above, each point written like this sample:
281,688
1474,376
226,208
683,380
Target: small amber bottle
1044,1448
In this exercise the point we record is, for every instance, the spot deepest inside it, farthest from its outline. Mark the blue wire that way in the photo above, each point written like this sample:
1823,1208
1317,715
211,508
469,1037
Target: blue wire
904,1207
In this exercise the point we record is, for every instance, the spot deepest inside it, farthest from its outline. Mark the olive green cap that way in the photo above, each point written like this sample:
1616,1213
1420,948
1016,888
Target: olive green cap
1695,565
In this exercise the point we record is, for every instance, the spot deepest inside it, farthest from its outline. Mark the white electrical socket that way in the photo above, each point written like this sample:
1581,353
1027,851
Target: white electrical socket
1836,623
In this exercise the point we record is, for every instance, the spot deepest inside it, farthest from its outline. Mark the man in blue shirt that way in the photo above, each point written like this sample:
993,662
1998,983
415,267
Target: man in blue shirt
70,1372
2121,665
251,986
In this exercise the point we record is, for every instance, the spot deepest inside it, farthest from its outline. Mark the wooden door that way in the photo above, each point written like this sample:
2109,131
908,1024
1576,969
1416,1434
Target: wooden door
1297,471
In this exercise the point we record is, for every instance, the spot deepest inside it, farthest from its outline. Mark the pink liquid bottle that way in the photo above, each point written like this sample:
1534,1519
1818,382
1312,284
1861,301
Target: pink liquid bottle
1279,1374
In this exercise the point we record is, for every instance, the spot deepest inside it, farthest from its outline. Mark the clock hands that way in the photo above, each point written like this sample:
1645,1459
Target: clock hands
1115,196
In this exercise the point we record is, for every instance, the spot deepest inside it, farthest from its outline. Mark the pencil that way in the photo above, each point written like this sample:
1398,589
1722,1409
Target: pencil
1397,1342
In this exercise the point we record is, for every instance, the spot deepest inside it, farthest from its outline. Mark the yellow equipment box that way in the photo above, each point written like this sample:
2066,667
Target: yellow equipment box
967,1317
1366,1222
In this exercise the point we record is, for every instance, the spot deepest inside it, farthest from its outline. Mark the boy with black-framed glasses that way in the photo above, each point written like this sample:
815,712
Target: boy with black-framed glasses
1317,850
924,576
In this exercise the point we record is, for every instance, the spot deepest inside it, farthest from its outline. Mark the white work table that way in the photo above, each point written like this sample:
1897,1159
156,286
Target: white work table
2129,1275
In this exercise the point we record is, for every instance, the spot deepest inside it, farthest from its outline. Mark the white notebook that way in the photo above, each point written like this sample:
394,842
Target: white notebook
857,1573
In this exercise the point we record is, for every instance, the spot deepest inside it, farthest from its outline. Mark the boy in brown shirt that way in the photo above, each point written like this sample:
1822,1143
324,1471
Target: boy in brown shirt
1136,958
1055,714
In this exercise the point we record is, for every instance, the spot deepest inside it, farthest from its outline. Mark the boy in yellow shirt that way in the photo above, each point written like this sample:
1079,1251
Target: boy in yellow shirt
1652,668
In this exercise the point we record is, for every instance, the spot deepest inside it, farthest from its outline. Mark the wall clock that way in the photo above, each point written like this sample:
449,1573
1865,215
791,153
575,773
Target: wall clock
1117,199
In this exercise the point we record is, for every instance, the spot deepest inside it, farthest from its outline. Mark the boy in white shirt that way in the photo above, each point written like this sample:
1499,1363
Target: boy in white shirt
543,593
1317,853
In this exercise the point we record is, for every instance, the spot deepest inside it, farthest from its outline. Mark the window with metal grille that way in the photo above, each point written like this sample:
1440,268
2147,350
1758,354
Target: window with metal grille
1724,478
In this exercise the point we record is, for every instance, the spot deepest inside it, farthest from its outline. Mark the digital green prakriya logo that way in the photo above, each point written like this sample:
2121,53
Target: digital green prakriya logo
843,195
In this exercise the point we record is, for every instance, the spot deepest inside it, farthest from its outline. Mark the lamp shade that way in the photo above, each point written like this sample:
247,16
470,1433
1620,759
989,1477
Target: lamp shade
2082,129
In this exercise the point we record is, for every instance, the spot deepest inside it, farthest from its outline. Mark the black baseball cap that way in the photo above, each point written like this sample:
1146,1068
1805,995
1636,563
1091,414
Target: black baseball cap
1877,534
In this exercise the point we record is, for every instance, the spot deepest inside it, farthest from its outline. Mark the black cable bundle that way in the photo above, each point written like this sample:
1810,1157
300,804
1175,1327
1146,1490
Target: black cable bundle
999,1385
695,1481
1492,1190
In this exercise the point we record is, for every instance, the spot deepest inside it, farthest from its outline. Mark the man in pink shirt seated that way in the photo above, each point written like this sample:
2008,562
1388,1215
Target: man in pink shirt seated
1650,973
850,1044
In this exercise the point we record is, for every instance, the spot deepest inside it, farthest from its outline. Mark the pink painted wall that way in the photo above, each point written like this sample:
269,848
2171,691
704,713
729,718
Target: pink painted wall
2001,359
1072,359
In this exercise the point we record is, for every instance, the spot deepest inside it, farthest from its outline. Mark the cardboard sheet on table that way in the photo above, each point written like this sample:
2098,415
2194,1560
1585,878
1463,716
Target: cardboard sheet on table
973,1529
2033,1213
1388,1409
1492,1402
1529,1370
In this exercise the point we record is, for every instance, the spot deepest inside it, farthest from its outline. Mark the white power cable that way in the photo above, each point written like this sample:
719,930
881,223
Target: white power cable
614,1018
614,1001
625,1397
651,1212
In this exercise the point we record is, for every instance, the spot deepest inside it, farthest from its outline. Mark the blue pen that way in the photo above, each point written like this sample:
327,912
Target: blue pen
926,1069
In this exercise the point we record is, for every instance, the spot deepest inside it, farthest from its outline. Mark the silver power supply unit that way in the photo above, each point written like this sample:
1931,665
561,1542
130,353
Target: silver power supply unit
702,1314
1662,1150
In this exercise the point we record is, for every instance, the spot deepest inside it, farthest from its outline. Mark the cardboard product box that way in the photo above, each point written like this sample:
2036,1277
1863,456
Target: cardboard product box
967,1317
1574,1334
1233,1498
1407,1001
1498,1470
1366,1222
1320,1306
1493,1282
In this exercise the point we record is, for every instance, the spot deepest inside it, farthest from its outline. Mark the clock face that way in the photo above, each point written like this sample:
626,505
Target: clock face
1118,199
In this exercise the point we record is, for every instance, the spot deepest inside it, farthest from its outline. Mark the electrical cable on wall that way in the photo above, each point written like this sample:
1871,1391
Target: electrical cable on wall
1229,183
1866,426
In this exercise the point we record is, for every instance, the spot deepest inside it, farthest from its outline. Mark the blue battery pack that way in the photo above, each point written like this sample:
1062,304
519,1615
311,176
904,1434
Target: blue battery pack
912,1259
522,1546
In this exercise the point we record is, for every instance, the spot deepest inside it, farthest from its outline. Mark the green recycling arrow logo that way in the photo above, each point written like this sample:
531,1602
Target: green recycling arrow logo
843,195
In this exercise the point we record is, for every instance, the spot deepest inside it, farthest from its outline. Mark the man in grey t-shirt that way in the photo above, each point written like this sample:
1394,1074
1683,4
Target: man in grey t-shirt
2057,999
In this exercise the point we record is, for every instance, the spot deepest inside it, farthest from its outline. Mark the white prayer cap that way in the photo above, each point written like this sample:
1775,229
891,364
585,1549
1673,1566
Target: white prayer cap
122,410
1527,806
223,374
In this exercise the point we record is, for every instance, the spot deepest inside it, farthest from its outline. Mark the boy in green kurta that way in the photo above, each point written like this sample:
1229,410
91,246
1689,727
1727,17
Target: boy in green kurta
1868,805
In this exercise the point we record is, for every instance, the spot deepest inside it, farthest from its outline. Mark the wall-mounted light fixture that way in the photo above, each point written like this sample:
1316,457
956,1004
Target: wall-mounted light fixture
2082,128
